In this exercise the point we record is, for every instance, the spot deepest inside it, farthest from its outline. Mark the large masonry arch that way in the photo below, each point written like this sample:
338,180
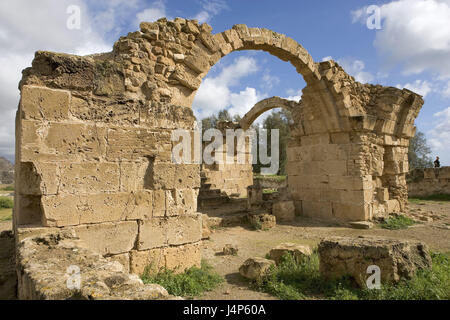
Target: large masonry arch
93,141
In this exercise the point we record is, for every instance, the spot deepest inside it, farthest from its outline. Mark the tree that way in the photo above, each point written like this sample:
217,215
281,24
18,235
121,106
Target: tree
419,152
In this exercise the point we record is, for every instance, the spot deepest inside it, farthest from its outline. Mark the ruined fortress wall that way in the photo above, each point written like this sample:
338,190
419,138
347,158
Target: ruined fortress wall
429,181
354,168
94,149
235,172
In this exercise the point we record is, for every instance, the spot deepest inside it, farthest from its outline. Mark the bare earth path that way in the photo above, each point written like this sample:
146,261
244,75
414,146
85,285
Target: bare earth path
306,231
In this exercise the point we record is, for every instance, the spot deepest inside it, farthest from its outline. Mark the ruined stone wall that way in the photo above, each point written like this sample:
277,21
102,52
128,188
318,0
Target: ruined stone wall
230,178
351,166
93,141
429,181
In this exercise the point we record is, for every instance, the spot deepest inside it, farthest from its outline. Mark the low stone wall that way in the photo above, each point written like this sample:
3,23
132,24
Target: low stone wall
425,182
57,266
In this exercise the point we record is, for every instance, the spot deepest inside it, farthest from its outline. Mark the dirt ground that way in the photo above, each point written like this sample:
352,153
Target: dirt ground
306,231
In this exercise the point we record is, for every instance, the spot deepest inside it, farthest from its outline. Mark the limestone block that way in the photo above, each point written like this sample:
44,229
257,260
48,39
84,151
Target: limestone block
108,238
393,206
62,141
159,203
180,258
352,256
153,259
340,138
351,212
160,232
184,229
38,178
284,210
255,268
67,209
89,177
382,194
298,252
317,209
186,77
134,143
338,167
40,103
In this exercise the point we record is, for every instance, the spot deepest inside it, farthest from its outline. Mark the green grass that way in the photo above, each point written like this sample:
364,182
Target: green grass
433,197
7,188
269,191
191,283
293,281
269,177
5,215
397,222
6,203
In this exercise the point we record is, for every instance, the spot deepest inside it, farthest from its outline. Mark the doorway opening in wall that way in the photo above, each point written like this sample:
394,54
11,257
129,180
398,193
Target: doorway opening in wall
236,89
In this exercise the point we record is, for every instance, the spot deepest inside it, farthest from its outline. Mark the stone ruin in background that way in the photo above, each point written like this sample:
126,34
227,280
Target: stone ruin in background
93,142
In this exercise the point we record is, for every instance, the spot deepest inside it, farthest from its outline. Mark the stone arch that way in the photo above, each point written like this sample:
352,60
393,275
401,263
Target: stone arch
262,106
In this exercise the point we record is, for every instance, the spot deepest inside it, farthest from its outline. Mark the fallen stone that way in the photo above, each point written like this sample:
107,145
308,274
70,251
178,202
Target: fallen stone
230,250
255,268
352,256
296,250
361,225
262,221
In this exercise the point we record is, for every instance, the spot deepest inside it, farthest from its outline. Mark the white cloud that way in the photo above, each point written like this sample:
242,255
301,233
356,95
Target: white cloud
152,13
294,95
421,87
415,34
356,69
446,91
440,135
28,26
269,81
215,93
210,9
328,58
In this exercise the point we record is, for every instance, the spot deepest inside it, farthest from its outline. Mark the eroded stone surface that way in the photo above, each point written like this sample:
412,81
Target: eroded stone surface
255,268
296,250
49,267
352,256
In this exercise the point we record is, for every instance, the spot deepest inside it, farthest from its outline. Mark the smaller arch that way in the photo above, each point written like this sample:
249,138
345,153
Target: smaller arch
263,106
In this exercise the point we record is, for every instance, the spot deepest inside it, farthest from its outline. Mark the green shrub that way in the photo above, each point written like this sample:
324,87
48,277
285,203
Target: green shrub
6,203
397,222
193,282
7,188
291,280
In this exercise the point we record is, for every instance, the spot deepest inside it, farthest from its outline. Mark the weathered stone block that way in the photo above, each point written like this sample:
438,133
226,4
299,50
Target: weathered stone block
109,238
40,103
284,210
255,268
352,256
297,251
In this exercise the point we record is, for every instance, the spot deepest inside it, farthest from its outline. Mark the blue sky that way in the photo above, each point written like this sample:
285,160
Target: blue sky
412,48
